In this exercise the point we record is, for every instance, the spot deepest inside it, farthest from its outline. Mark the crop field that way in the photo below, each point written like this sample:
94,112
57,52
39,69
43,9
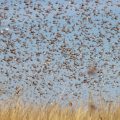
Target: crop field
56,112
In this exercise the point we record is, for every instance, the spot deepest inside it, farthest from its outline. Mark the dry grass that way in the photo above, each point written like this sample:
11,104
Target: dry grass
56,112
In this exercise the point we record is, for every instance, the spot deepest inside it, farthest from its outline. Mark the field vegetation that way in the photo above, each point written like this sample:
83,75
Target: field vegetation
103,111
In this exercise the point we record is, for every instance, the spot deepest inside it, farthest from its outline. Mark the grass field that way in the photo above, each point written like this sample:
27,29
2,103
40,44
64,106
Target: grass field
56,112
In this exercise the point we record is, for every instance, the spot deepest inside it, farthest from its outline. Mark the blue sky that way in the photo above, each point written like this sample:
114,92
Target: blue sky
86,40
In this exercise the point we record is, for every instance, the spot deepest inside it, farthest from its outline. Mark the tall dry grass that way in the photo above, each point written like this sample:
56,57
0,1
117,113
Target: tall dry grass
56,112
